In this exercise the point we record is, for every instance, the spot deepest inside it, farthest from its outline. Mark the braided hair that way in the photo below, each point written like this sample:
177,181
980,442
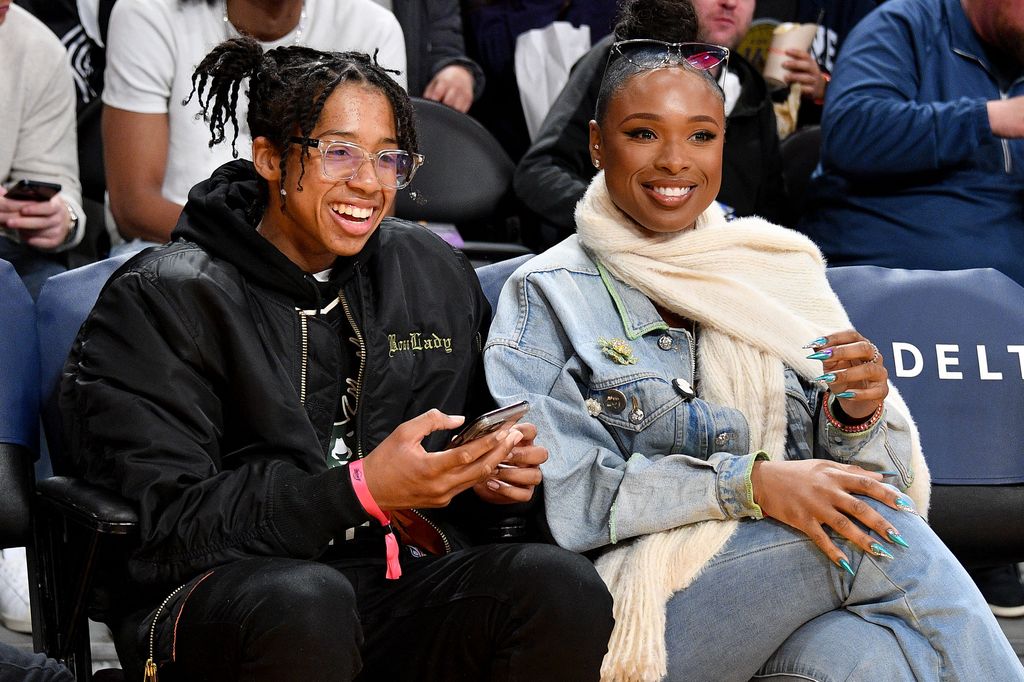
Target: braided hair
287,89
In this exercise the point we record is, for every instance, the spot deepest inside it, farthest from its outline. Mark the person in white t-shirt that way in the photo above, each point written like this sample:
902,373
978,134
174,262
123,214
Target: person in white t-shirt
155,148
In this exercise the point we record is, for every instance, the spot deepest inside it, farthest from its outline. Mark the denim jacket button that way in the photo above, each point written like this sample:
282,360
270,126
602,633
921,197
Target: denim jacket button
636,415
665,342
684,389
723,438
615,401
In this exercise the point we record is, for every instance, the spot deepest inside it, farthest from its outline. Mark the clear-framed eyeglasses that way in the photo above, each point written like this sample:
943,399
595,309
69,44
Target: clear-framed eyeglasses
341,161
653,54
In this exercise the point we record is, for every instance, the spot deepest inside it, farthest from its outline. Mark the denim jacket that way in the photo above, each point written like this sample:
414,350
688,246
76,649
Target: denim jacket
632,451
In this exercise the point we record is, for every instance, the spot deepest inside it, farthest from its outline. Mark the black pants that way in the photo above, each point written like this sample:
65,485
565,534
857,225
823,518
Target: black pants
21,666
500,612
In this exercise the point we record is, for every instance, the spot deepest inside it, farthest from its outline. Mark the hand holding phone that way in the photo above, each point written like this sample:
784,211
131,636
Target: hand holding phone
32,190
489,422
32,212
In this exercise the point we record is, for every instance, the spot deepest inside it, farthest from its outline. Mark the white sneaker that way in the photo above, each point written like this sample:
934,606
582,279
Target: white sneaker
15,613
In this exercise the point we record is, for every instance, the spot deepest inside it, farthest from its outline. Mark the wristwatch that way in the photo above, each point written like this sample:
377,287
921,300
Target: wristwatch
73,226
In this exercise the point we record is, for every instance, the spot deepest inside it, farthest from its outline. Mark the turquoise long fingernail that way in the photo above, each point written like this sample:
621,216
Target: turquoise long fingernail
878,550
820,341
827,378
824,354
888,473
846,394
897,538
845,565
904,504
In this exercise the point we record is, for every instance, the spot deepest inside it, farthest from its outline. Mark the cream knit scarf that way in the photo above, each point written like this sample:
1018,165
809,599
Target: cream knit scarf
759,293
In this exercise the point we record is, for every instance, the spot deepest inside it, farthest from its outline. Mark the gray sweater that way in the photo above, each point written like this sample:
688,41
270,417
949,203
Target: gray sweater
37,110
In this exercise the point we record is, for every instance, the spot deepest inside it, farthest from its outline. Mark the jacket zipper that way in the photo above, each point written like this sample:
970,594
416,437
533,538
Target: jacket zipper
1007,159
149,672
362,366
444,538
693,355
304,327
358,393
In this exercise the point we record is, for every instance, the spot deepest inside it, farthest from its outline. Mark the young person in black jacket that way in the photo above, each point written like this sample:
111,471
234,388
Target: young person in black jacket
284,373
555,172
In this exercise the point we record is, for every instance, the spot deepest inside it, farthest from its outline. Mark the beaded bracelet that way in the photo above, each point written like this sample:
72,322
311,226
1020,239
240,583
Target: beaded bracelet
856,428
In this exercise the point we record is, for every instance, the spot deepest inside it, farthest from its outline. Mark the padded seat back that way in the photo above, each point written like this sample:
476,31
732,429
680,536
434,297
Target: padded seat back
19,406
953,343
64,303
466,172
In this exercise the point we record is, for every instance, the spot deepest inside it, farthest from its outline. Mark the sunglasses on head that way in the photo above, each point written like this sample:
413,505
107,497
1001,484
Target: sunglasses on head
656,53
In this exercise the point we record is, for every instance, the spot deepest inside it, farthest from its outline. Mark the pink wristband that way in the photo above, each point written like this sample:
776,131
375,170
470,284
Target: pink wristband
355,471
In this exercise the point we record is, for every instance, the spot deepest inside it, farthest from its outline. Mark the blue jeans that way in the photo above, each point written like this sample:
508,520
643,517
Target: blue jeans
133,247
772,606
33,266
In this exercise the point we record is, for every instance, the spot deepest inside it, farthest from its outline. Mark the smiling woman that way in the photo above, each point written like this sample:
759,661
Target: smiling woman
739,464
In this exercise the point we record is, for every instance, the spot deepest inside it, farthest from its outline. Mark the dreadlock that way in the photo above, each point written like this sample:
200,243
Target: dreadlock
287,89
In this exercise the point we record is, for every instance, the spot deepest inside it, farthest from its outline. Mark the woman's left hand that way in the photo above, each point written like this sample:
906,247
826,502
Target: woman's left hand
852,367
515,479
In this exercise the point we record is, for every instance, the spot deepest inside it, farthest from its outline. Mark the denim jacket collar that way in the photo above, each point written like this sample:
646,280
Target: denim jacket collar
637,313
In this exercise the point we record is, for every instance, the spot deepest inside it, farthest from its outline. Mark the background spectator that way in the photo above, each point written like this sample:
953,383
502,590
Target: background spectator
37,115
554,173
155,148
438,67
812,69
81,26
492,27
922,161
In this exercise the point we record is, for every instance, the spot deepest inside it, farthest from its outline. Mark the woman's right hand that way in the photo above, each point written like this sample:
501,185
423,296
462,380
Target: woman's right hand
810,494
401,474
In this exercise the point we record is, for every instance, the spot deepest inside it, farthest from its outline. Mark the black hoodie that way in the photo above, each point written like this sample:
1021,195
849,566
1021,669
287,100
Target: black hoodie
204,384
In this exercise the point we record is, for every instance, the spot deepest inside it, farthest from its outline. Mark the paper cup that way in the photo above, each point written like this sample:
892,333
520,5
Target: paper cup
786,37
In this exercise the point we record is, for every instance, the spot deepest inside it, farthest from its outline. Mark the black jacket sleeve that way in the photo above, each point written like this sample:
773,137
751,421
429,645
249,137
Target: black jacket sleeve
433,40
145,397
554,173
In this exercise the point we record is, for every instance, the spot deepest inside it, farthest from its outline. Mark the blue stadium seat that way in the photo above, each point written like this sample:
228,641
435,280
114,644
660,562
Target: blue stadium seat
492,277
77,527
19,407
953,343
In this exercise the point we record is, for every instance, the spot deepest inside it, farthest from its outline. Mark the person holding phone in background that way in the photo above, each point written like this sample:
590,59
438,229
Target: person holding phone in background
274,390
37,117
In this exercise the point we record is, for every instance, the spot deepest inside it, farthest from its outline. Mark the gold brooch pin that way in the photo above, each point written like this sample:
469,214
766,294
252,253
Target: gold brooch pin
618,350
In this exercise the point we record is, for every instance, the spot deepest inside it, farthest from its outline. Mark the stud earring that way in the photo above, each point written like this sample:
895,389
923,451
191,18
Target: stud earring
284,192
597,163
597,146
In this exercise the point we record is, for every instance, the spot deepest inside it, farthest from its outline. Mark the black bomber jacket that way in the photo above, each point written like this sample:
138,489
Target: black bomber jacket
204,384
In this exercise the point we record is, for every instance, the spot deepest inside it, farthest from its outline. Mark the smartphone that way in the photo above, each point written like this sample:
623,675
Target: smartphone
492,421
32,190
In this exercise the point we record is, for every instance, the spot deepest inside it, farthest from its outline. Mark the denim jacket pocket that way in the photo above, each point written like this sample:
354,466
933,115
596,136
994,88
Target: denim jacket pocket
638,410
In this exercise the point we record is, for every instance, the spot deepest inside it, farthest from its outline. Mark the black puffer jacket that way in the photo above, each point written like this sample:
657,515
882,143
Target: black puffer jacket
204,384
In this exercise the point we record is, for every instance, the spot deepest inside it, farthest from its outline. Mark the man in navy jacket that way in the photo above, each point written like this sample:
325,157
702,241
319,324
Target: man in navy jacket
922,161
